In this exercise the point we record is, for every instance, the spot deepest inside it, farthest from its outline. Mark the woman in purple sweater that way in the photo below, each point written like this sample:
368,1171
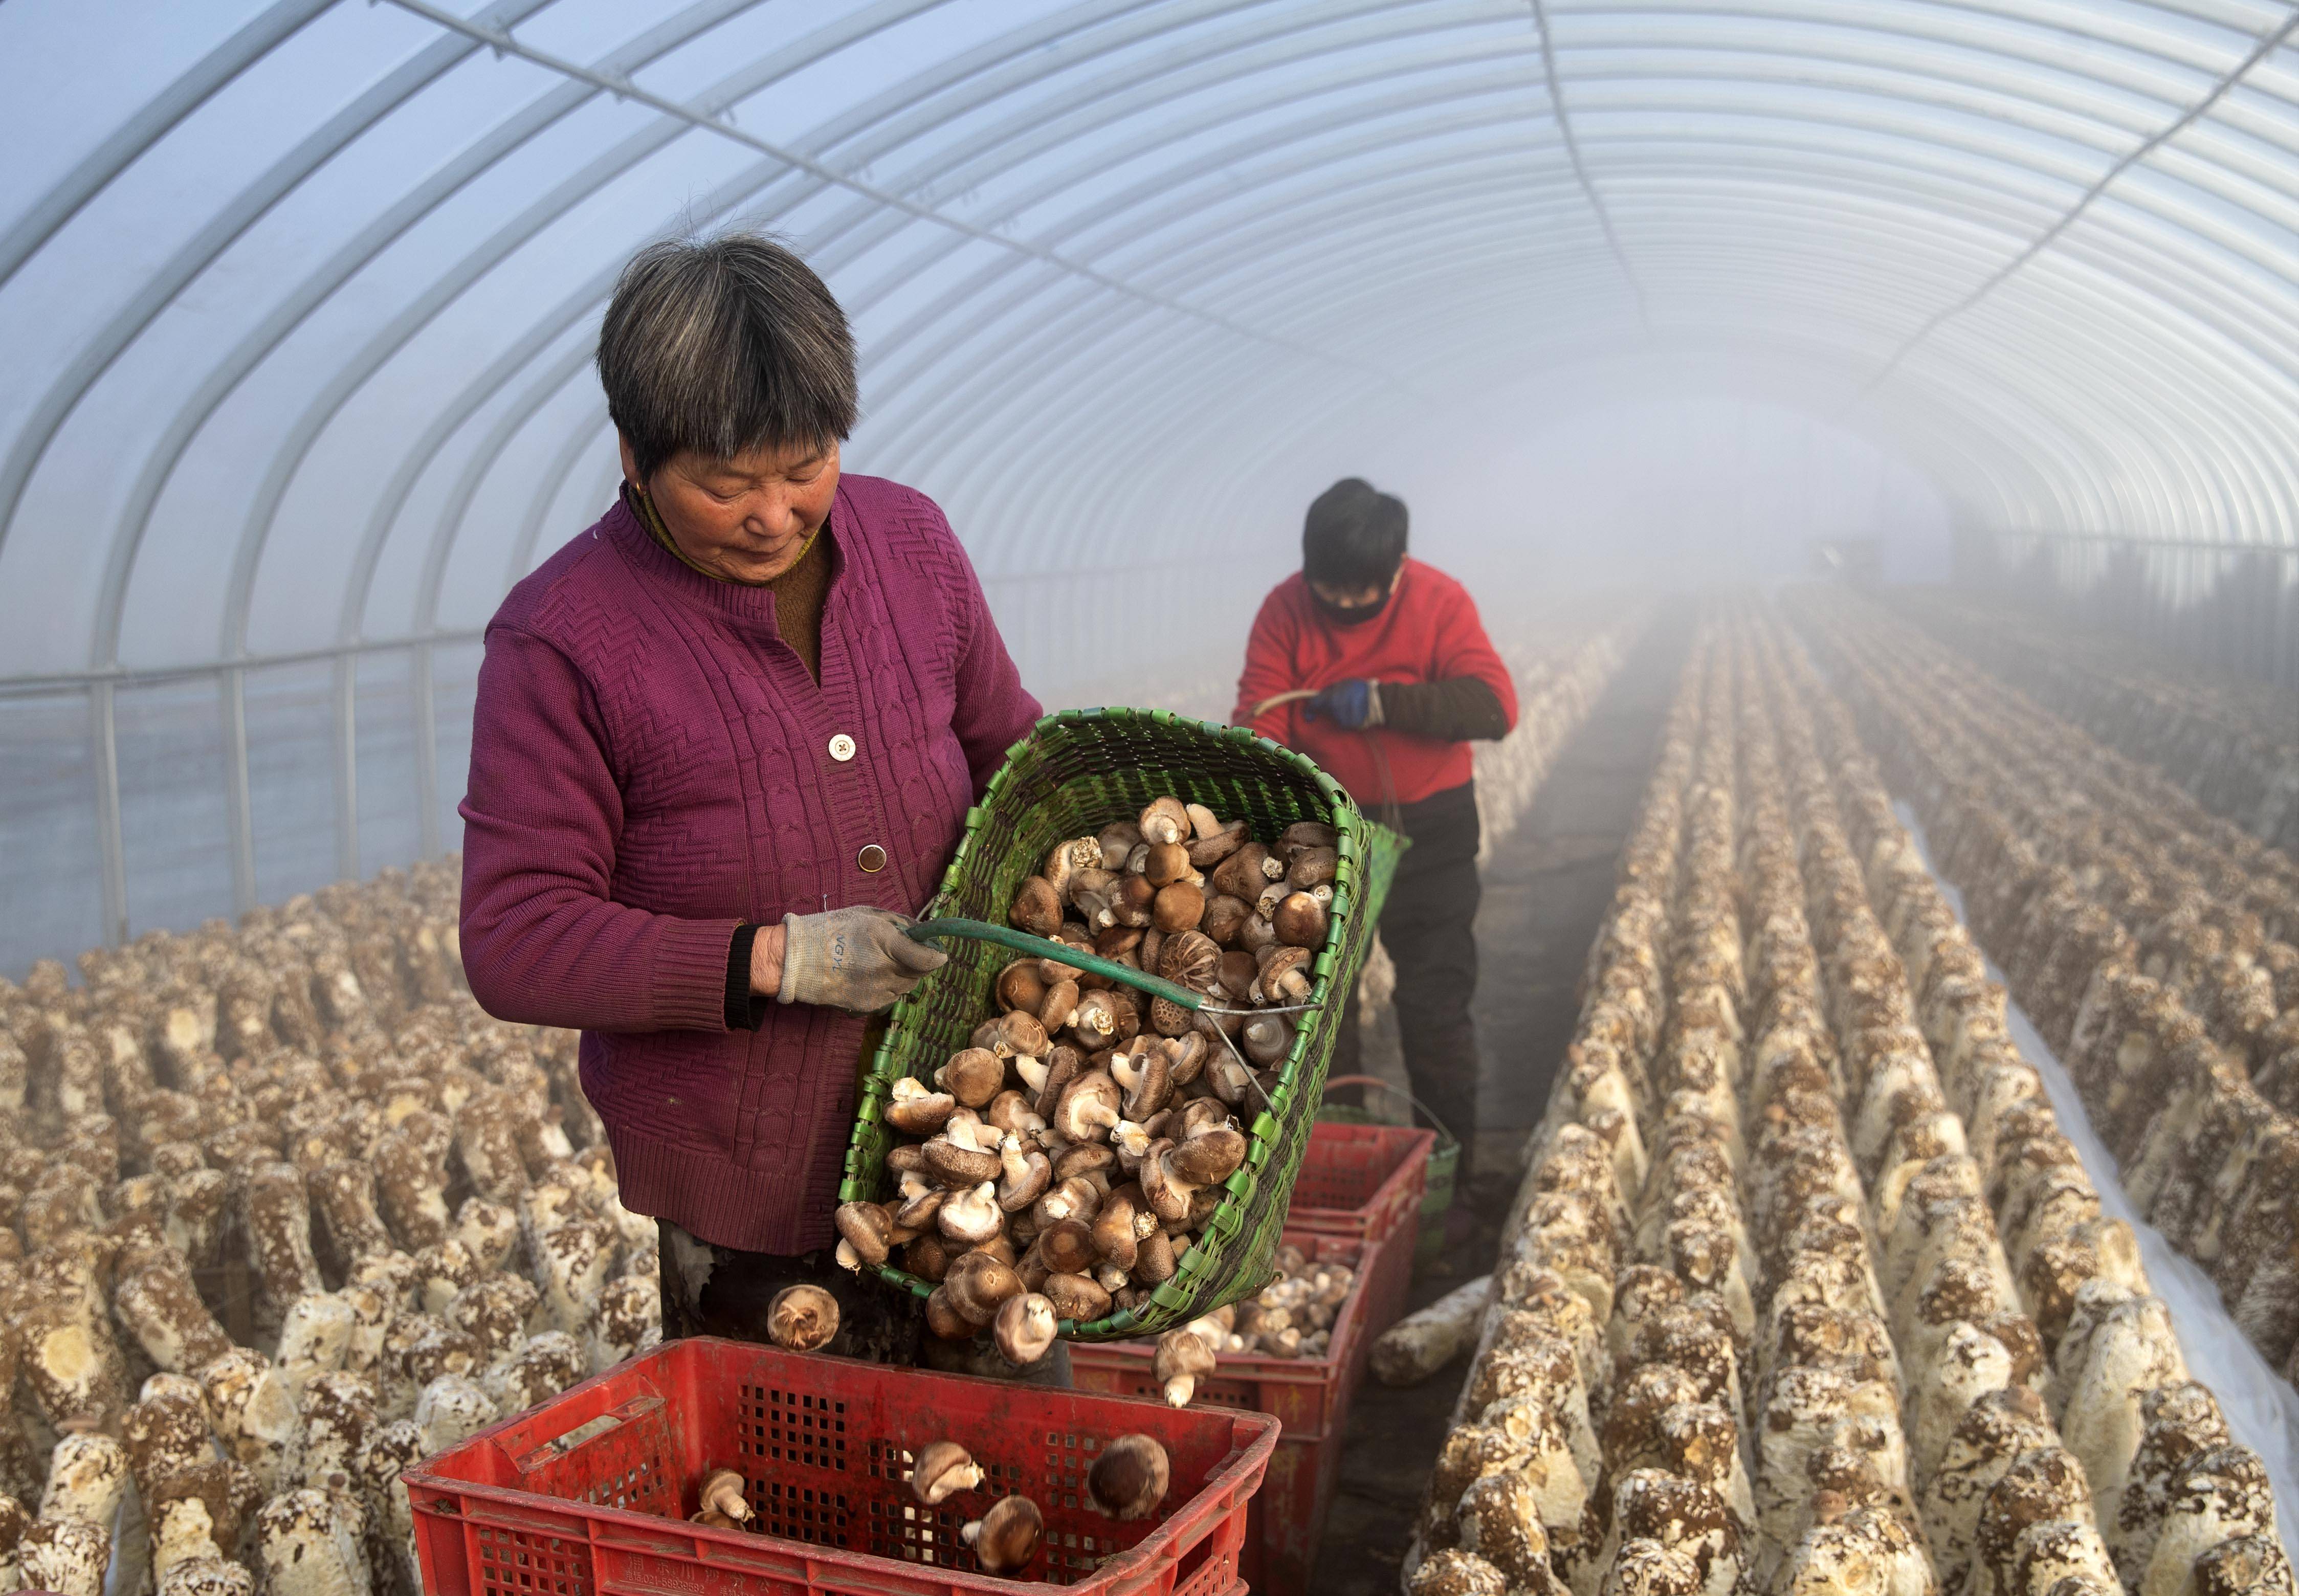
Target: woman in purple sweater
725,743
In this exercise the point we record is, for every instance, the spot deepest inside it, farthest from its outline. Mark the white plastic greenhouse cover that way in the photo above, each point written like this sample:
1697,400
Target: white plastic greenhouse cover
298,301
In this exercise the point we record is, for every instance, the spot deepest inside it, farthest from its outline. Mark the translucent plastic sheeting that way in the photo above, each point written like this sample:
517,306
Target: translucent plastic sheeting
2261,1408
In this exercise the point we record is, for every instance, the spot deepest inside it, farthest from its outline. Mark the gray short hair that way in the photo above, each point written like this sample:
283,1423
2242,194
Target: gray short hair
722,347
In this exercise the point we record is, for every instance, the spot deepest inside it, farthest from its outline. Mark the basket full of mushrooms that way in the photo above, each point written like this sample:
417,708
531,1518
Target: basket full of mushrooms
1108,1102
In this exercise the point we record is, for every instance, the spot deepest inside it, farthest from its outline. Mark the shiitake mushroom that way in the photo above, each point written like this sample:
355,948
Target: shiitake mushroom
1064,1159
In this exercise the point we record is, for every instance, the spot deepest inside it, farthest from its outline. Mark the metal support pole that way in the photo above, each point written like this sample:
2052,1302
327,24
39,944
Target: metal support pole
239,802
347,765
112,850
427,755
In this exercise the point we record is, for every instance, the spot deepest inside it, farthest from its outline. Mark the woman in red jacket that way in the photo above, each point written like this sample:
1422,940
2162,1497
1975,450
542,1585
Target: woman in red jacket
1393,677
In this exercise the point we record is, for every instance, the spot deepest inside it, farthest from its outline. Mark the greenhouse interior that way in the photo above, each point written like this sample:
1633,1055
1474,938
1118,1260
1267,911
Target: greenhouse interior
1455,797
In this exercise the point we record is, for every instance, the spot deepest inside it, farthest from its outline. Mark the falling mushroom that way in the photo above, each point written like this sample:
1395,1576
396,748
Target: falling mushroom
801,1318
1006,1538
722,1493
1130,1478
943,1470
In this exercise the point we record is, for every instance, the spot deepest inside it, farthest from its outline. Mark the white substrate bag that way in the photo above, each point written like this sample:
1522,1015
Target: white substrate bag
2261,1408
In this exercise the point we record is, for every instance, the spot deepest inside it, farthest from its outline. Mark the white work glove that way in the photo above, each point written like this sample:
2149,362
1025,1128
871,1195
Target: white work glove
853,959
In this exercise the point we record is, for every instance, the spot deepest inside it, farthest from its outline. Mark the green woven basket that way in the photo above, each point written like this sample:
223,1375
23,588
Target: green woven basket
1077,771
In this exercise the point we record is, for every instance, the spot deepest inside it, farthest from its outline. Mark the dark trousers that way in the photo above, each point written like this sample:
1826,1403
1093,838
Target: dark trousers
1429,924
708,1290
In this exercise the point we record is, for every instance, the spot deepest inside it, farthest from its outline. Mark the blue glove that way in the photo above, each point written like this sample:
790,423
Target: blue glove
1351,706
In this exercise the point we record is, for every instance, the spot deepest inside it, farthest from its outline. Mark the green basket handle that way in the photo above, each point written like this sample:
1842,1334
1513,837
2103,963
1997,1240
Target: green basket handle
1060,952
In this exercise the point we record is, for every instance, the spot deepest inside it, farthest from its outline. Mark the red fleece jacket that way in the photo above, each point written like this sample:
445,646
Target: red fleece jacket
1428,632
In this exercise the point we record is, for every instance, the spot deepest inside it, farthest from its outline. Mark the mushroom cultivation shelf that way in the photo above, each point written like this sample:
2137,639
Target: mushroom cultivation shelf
1805,1289
2151,944
590,1492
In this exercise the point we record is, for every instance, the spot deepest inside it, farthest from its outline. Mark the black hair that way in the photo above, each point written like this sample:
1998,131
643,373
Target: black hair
724,346
1354,536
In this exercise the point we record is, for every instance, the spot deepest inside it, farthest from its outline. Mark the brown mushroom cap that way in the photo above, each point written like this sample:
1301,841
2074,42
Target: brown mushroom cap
918,1213
943,1318
1311,867
1209,849
1016,1195
722,1492
1154,1262
1012,1110
1065,859
1211,1157
1005,1540
1025,1327
1130,1478
1185,1056
866,1228
972,1075
1168,1192
1164,820
1095,1022
977,1283
1060,1000
1077,1198
1064,1064
1117,839
1083,1157
1300,919
1267,1038
1190,959
1307,834
1119,943
922,1115
941,1470
1130,900
1020,985
1166,864
1078,1298
801,1318
1200,1115
1037,908
959,1168
1115,1242
1241,876
1182,1355
928,1256
903,1157
1223,917
1178,906
1067,1247
1019,1032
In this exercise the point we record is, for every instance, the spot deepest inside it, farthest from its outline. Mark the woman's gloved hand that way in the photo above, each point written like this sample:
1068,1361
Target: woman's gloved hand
854,958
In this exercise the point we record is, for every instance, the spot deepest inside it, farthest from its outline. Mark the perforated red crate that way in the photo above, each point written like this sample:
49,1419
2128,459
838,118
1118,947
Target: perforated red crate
588,1494
1309,1396
1367,1181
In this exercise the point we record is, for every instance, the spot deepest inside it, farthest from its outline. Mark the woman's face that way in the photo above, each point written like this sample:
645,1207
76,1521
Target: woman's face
748,519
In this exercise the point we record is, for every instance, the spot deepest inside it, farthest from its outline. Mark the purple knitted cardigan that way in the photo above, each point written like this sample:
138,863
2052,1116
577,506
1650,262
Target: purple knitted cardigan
651,765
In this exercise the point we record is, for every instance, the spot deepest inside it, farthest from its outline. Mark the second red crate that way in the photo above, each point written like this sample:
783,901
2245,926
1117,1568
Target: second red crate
1310,1397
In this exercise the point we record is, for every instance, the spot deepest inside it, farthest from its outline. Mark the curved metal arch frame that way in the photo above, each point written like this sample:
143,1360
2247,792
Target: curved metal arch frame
2221,484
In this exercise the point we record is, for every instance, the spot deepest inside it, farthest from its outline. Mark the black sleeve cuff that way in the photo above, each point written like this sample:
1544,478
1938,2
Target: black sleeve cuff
1458,709
745,1010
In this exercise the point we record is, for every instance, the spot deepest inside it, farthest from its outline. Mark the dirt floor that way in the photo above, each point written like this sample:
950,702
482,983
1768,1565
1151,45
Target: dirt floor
1544,890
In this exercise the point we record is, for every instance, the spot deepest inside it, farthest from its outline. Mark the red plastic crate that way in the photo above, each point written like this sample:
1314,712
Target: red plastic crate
1366,1180
1310,1396
588,1494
